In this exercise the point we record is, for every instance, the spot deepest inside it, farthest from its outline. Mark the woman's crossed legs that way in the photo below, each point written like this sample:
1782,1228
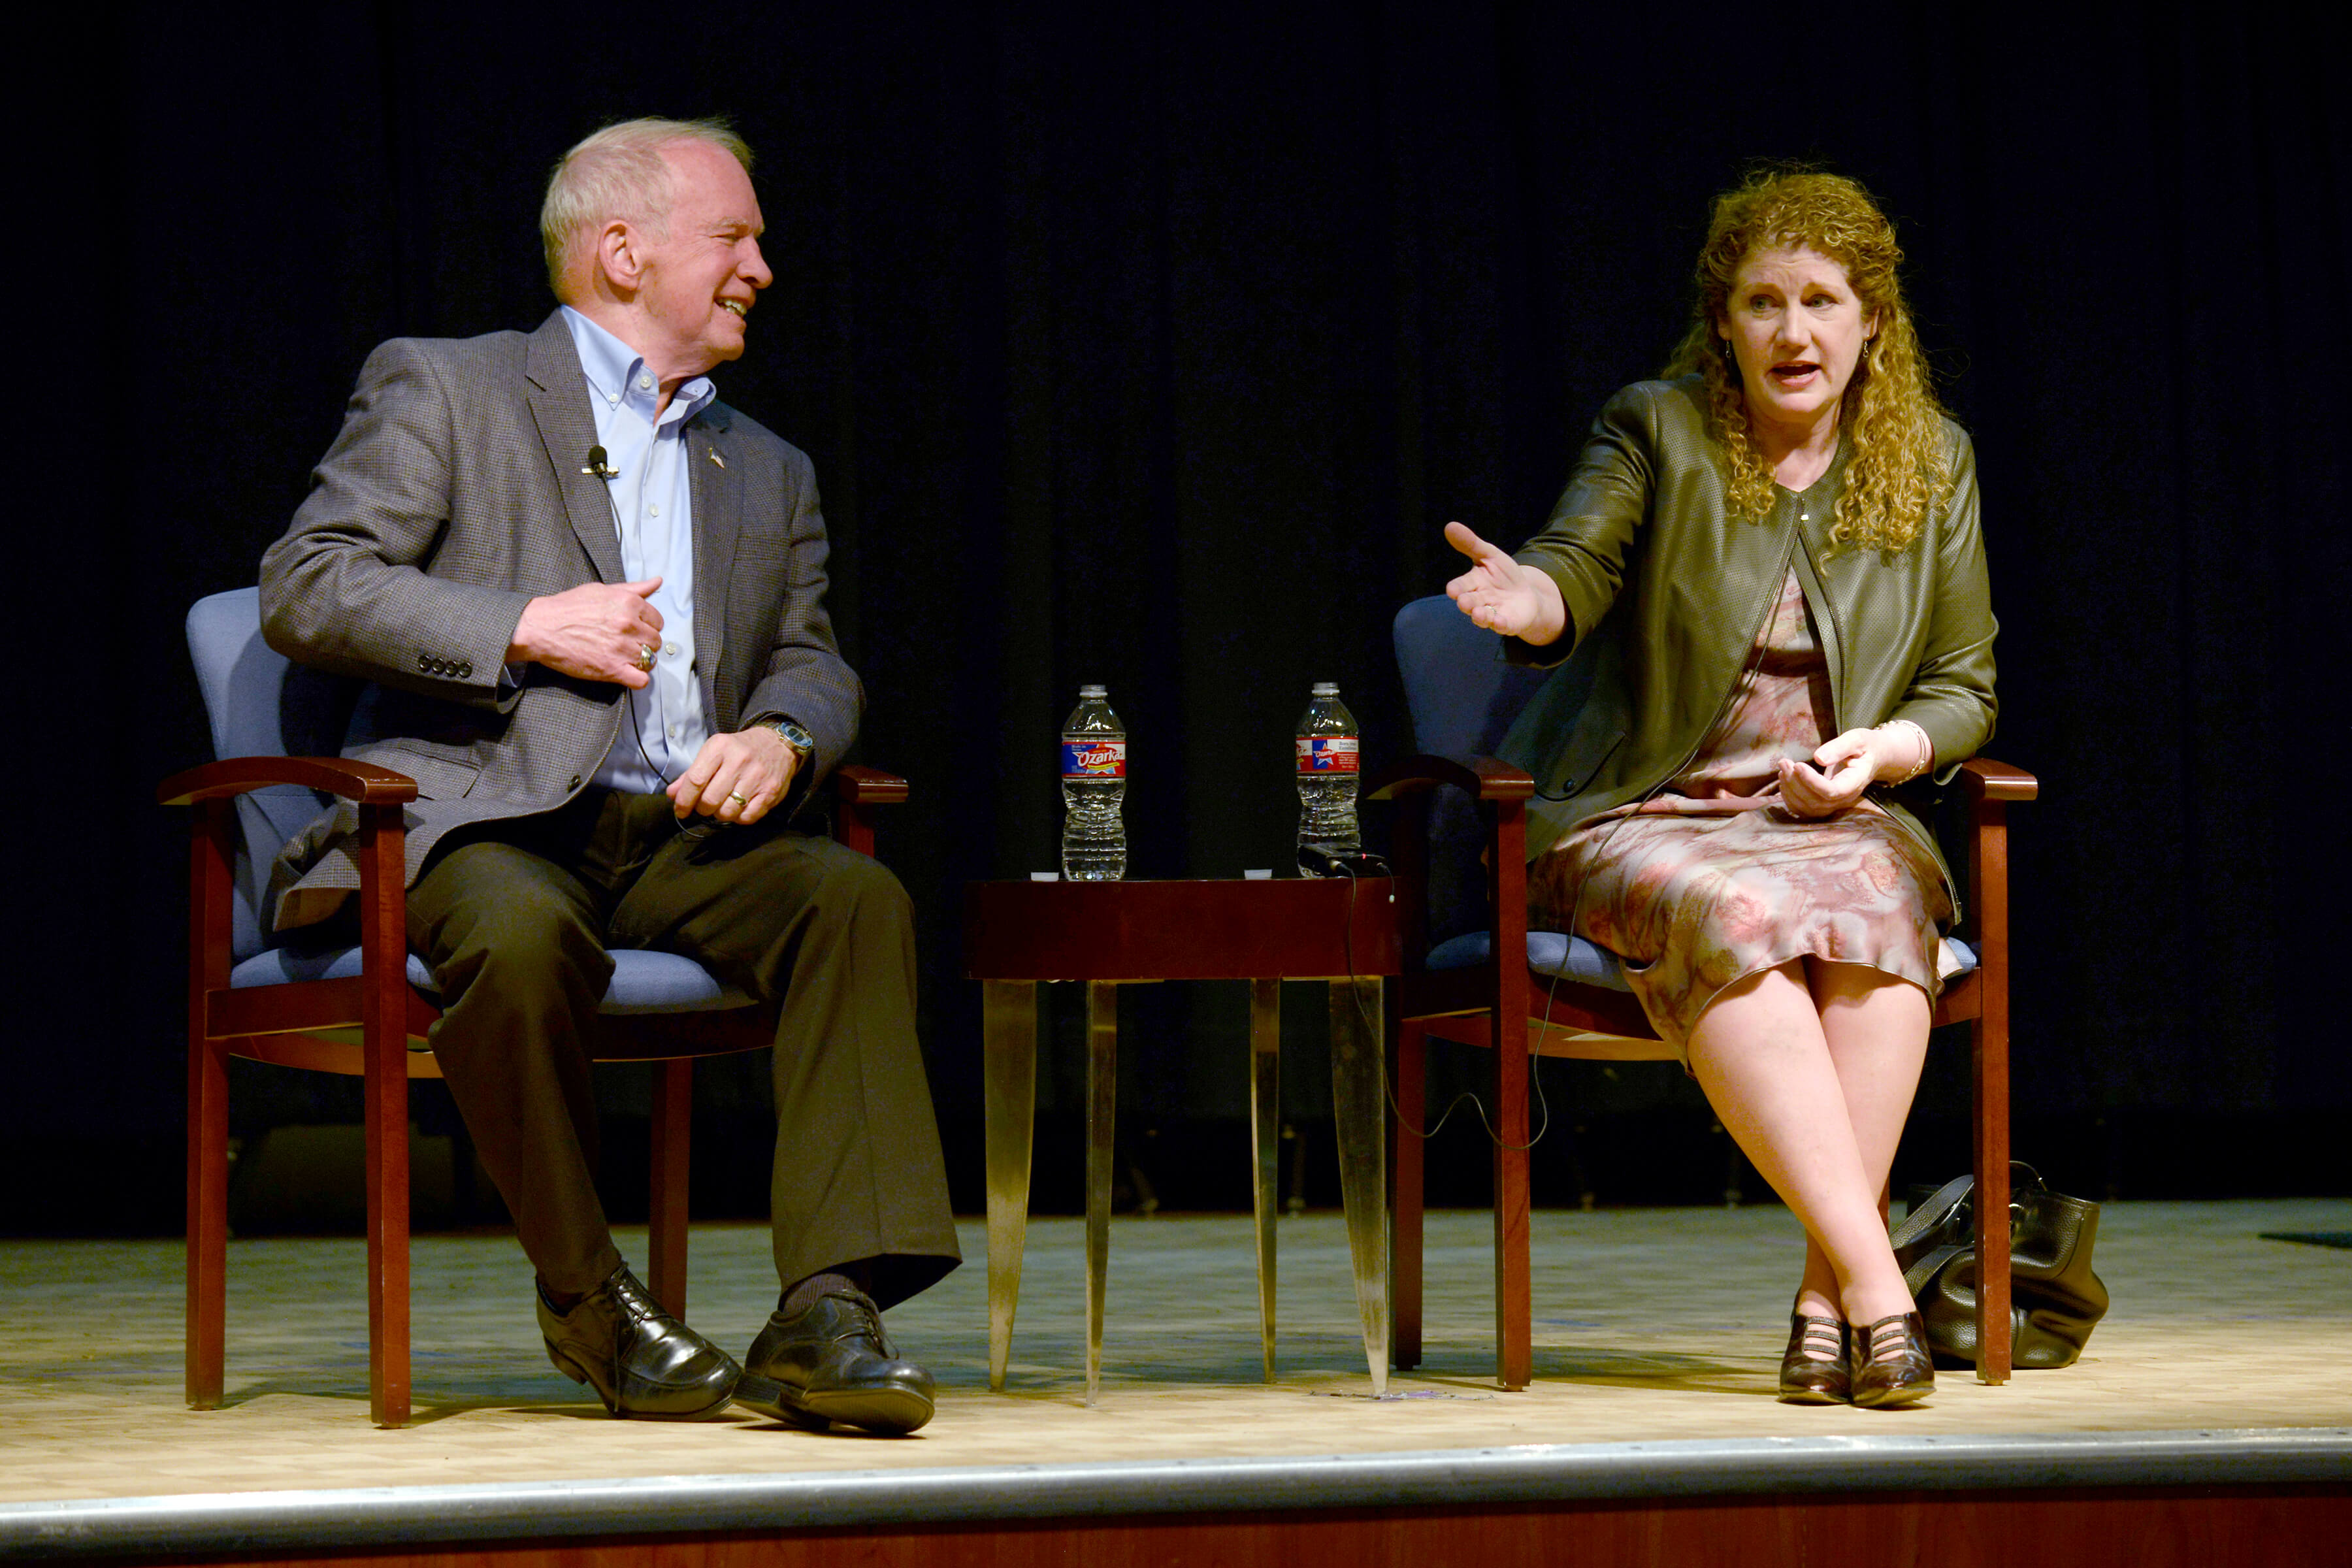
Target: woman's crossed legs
1811,1067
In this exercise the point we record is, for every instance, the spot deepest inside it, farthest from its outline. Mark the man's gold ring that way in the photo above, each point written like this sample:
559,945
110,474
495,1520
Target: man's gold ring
740,799
644,656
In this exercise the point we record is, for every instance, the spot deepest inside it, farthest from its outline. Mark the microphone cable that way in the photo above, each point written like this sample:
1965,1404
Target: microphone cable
1348,865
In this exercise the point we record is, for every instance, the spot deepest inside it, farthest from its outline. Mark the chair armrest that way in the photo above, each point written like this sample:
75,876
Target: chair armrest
380,852
855,789
363,782
867,787
1485,779
1502,792
1984,779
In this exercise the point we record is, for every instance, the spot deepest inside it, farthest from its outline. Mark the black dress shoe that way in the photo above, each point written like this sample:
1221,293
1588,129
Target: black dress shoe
1818,1378
1891,1362
640,1361
829,1361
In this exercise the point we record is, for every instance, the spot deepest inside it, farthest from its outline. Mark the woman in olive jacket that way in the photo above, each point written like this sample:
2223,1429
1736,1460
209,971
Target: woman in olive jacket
1772,567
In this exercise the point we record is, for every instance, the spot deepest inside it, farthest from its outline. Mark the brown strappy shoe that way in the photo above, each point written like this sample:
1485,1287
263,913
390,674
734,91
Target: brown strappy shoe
1818,1377
1890,1363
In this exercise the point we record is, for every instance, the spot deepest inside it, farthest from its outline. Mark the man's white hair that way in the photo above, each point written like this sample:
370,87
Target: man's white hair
620,172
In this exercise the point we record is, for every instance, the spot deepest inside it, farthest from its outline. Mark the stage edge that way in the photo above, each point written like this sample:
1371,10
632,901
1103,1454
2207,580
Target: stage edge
1534,1473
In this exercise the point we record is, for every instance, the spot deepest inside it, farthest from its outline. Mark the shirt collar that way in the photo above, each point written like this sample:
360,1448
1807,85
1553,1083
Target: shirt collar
614,373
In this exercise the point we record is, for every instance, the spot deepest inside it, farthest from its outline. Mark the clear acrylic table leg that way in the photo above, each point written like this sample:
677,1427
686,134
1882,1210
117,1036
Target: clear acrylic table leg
1356,1110
1265,1144
1009,1043
1102,1096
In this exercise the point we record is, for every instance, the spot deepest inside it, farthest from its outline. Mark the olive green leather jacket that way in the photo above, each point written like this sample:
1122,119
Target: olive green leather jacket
1665,595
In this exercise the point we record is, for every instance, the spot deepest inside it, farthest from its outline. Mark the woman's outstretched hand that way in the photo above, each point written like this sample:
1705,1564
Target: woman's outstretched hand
1840,771
1503,595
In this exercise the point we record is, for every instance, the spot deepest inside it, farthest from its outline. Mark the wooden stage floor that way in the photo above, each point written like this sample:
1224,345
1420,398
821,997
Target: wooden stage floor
1651,1326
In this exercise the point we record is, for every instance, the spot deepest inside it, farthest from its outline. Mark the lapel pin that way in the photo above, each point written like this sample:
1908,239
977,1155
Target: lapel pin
715,457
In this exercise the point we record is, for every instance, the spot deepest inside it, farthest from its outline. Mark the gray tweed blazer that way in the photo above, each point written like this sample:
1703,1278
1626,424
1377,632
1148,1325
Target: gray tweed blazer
453,496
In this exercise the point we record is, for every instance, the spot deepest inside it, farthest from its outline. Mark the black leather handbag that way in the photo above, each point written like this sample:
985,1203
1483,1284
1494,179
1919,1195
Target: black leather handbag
2055,1297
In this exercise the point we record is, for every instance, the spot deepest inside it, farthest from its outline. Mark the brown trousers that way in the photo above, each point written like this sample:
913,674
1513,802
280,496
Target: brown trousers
515,919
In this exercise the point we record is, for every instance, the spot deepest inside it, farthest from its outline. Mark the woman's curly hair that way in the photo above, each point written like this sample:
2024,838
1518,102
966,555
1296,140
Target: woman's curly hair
1897,467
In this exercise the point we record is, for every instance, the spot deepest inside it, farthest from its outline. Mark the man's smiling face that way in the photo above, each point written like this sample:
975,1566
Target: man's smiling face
698,283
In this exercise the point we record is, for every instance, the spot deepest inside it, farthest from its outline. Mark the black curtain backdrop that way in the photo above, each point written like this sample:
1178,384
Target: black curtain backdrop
1154,344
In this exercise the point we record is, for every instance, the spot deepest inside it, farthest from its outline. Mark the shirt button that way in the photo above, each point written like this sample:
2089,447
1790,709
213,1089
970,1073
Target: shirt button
670,648
612,397
654,511
645,384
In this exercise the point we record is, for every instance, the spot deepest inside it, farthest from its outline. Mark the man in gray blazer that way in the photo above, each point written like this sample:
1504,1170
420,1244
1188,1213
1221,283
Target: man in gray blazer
589,600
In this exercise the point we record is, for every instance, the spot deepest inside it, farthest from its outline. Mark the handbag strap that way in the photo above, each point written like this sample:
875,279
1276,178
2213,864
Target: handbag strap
1916,1277
1934,1212
1938,1208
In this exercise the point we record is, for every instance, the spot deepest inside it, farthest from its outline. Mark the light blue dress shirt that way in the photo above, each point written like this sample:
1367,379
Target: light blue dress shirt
664,726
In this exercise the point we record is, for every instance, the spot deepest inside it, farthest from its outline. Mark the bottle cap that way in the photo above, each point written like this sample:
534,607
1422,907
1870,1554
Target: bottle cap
1326,689
1101,690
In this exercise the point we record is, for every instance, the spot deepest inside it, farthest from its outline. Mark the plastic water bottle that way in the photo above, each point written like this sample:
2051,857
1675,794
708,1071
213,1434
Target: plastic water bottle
1094,782
1326,778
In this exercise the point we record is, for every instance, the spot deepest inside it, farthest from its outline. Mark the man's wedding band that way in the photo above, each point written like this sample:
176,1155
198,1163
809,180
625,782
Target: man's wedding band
740,799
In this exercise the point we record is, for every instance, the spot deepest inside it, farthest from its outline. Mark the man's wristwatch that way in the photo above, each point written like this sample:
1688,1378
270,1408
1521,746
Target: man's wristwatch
803,743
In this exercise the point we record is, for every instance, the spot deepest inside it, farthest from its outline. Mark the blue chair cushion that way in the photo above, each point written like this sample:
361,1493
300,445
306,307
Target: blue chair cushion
1550,953
1563,957
643,982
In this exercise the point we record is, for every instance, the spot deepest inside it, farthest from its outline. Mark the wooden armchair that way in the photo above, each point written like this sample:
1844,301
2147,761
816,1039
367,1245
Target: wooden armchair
1499,985
367,1010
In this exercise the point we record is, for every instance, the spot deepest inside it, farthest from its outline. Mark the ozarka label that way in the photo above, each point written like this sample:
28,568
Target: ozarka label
1101,758
1326,754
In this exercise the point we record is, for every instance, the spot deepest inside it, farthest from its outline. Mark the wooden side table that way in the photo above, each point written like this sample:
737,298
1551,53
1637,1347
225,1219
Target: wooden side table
1107,935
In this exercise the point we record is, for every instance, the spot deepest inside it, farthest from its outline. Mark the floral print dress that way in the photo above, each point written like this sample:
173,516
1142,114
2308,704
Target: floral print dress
1711,878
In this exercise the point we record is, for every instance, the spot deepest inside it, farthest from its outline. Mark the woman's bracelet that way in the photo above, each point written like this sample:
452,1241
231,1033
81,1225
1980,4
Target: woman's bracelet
1925,752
